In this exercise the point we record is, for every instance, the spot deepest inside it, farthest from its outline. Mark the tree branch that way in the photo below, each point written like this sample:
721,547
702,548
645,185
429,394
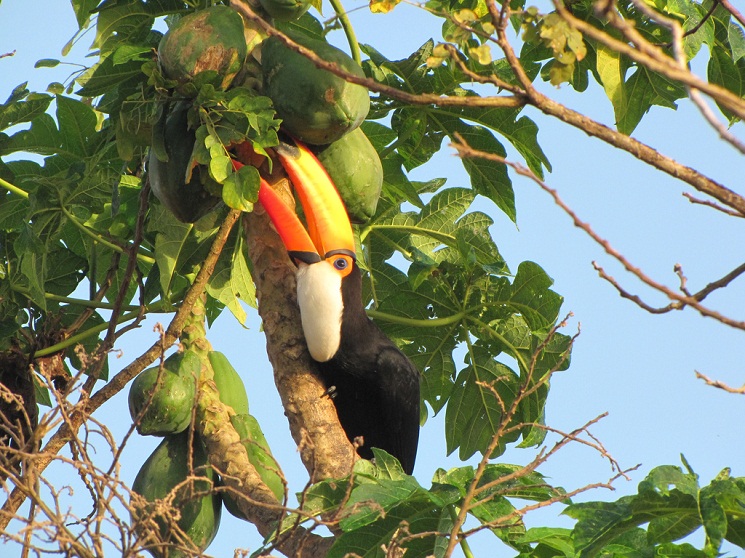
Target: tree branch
636,148
371,84
464,150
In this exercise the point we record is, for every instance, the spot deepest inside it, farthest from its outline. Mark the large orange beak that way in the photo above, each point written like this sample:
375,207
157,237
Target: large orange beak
329,230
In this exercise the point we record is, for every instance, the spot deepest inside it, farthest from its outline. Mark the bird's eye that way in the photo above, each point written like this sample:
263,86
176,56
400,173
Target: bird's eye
340,264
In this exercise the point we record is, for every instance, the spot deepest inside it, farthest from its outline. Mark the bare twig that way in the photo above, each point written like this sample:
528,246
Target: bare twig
680,58
713,205
371,84
719,384
464,150
83,410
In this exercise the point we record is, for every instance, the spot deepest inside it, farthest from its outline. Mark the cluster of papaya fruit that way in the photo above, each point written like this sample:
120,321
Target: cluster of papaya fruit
314,105
162,400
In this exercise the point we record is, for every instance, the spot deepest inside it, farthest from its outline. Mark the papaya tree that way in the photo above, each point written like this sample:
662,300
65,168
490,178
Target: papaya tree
130,193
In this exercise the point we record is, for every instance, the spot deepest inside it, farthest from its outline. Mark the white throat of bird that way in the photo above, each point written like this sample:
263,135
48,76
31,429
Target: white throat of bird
321,307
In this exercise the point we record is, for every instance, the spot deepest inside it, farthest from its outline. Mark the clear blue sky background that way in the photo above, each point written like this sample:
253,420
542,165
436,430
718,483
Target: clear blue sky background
637,367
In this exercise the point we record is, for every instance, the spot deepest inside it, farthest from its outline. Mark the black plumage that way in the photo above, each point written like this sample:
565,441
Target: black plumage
375,387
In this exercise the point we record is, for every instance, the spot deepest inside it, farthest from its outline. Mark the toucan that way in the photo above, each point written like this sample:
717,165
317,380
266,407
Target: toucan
374,386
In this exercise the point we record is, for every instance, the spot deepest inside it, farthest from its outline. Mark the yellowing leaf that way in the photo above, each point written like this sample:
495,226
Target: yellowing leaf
465,16
609,68
481,53
439,54
383,6
576,43
559,73
488,28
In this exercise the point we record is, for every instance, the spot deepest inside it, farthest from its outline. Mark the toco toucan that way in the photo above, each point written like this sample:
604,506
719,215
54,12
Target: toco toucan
374,386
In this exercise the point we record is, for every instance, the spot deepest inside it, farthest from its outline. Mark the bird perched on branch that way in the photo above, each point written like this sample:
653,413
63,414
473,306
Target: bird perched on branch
374,386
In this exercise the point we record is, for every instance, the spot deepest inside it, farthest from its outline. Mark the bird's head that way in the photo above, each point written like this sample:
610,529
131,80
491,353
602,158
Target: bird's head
324,253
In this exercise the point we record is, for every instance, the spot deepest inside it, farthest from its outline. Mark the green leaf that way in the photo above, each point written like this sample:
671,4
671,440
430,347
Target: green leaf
15,111
241,189
31,254
532,297
521,132
179,247
65,270
83,10
41,393
723,70
417,513
488,178
109,74
481,394
736,39
231,281
42,137
46,63
664,501
553,538
77,125
13,211
221,166
132,19
684,550
720,501
372,500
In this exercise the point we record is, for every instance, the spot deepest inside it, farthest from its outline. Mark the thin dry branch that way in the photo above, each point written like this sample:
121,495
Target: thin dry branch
464,150
719,384
709,203
371,84
699,296
643,152
86,406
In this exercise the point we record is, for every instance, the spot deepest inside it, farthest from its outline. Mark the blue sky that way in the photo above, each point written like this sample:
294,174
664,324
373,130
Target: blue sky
637,367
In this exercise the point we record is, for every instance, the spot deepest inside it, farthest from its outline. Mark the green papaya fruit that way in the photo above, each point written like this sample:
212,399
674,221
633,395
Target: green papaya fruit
285,10
208,40
356,170
161,400
260,457
179,186
315,105
229,384
198,507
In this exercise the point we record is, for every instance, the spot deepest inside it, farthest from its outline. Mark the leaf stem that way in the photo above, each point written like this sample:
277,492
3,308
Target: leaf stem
464,546
414,229
12,188
354,46
90,303
77,338
433,322
98,238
